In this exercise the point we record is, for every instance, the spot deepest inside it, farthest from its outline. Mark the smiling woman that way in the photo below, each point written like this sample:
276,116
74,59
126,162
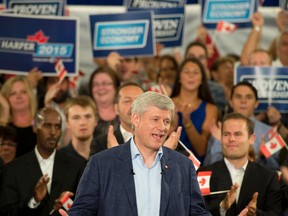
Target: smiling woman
102,86
22,104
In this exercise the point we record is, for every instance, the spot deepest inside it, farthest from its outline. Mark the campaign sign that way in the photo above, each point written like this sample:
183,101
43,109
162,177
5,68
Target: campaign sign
239,12
271,84
37,7
30,41
269,3
129,34
168,25
155,3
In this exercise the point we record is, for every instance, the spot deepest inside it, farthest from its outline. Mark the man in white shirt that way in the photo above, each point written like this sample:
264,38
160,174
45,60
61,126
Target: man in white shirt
33,183
250,184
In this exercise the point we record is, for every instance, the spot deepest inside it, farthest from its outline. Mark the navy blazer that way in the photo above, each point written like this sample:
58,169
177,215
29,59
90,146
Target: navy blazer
257,178
107,186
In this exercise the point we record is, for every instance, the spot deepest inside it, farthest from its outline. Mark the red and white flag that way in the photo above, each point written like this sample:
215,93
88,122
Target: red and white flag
272,146
204,181
195,161
225,27
60,69
191,156
66,202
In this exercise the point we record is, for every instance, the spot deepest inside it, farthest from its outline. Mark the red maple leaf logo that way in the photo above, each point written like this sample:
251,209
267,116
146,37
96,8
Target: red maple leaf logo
69,205
39,37
202,181
273,145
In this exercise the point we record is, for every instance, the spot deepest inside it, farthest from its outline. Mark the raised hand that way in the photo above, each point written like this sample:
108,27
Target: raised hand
257,19
51,93
111,139
172,141
41,190
114,60
252,206
230,197
34,76
215,129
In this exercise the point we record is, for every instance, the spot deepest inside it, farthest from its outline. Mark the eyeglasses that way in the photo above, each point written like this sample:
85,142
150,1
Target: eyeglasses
8,143
102,84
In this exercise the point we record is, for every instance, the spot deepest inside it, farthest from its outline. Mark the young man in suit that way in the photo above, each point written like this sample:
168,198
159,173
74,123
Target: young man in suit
251,184
141,177
34,183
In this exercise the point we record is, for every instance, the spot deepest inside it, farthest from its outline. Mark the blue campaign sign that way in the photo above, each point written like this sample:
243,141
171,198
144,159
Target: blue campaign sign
30,41
239,12
155,3
129,34
271,84
37,7
269,3
168,25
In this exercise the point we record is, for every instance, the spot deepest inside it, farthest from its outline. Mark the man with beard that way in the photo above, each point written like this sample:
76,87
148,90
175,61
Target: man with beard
81,115
35,183
56,96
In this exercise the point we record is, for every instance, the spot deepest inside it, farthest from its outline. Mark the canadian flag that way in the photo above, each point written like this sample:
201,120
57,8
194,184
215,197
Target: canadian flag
272,146
195,161
60,69
204,181
66,202
225,27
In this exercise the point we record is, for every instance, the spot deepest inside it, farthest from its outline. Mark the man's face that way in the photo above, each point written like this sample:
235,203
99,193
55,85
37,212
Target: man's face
123,108
81,122
261,59
282,49
127,67
63,94
225,73
243,101
235,139
49,132
151,128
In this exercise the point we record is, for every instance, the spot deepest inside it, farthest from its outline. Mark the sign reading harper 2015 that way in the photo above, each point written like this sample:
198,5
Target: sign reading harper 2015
30,41
271,84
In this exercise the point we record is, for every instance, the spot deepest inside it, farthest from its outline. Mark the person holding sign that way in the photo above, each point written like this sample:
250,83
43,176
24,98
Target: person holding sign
141,177
251,185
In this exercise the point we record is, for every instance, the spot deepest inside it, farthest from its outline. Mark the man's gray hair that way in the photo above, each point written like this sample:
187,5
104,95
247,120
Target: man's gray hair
147,99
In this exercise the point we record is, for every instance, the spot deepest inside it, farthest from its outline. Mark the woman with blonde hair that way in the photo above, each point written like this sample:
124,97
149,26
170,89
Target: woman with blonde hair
22,108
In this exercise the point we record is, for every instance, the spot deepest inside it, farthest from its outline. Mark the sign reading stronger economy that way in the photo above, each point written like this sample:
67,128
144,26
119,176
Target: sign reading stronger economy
37,7
30,41
271,84
234,11
129,34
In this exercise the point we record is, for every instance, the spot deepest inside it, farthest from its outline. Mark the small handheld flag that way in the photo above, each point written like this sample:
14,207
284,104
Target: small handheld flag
272,146
204,181
225,27
66,202
60,69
